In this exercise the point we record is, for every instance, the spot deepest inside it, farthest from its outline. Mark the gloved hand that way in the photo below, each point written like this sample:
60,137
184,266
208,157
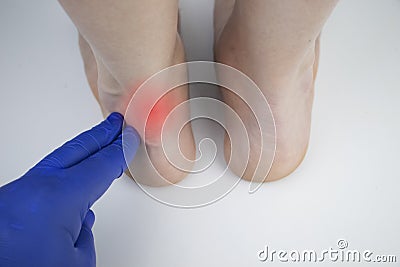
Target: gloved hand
45,216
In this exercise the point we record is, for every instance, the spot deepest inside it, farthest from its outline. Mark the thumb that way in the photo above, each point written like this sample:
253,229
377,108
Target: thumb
85,242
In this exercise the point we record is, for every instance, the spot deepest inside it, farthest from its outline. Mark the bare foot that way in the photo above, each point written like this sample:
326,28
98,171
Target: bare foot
113,97
286,77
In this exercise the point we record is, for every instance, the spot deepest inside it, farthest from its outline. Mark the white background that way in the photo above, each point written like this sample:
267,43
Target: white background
347,187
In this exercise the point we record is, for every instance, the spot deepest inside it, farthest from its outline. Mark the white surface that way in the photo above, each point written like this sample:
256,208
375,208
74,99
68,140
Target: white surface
347,187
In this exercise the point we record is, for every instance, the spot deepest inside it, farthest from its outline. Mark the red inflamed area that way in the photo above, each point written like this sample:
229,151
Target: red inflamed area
156,119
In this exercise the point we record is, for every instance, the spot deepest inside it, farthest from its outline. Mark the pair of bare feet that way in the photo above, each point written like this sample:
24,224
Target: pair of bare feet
274,42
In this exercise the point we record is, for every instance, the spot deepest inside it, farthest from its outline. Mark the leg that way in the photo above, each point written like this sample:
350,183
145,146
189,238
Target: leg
276,43
122,44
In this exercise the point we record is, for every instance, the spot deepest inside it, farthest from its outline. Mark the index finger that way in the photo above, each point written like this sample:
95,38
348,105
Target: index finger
85,144
96,173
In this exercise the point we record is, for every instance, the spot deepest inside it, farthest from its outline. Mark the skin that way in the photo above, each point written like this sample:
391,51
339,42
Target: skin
274,42
122,44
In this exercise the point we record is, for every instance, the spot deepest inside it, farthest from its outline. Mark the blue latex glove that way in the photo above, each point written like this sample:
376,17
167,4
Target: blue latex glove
45,216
